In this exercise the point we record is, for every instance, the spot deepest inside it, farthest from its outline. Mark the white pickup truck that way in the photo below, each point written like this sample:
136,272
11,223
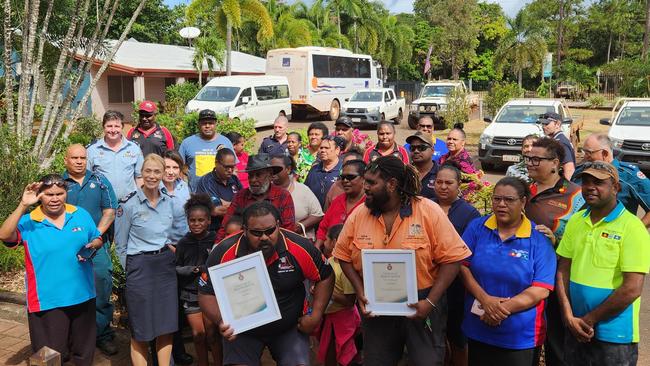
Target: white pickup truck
630,131
432,102
373,106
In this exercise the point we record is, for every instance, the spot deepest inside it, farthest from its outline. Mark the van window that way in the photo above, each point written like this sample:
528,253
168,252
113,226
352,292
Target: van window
245,93
282,91
218,93
271,92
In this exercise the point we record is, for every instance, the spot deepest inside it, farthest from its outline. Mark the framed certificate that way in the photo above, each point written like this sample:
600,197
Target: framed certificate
389,281
244,292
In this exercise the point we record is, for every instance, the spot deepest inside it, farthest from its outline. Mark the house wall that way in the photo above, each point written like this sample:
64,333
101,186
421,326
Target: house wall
154,89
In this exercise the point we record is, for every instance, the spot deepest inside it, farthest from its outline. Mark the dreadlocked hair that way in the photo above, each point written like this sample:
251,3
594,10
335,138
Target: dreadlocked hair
408,179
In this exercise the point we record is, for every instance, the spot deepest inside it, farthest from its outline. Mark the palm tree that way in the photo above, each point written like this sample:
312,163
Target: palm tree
522,49
351,8
289,29
396,46
231,14
207,50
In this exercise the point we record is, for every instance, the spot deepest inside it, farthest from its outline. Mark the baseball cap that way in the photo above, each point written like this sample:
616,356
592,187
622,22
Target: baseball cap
347,121
147,106
549,117
600,170
207,114
427,138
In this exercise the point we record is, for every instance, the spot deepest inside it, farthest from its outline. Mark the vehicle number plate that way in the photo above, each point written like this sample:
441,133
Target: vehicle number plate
356,119
511,158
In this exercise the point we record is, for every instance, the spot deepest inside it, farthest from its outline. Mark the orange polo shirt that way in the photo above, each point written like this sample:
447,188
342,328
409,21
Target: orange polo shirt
423,227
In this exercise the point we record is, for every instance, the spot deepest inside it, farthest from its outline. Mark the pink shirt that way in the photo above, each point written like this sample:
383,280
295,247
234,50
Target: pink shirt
241,166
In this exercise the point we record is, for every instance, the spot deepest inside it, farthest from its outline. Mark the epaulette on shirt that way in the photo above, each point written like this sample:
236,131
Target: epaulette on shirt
127,197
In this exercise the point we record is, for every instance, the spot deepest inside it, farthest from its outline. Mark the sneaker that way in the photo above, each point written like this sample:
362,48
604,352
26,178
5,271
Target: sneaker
107,347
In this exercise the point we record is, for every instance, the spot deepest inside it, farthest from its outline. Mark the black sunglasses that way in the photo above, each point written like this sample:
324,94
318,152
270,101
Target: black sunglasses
54,182
146,114
420,148
349,177
261,233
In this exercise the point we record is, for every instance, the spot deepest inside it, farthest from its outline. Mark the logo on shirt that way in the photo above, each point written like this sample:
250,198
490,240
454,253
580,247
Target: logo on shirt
203,280
92,185
431,183
610,236
415,230
285,265
129,154
77,229
119,211
640,175
559,204
157,134
523,254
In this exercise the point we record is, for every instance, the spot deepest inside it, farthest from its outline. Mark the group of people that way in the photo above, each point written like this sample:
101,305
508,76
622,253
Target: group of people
559,262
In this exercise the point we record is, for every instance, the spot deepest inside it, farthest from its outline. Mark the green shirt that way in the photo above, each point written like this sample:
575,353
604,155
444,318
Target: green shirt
303,164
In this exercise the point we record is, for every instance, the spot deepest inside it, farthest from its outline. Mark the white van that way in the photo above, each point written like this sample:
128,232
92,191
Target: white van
261,98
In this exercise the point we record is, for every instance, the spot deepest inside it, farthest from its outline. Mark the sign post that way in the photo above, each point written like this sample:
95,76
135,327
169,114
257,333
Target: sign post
547,70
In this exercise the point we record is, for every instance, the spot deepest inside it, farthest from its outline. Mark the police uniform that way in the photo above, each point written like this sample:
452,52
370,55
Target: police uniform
270,145
120,167
96,194
141,237
635,186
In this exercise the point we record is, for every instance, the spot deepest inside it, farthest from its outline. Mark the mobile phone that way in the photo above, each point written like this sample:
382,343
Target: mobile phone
87,253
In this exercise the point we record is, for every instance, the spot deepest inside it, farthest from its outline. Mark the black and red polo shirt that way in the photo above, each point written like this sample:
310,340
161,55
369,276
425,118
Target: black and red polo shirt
295,260
156,140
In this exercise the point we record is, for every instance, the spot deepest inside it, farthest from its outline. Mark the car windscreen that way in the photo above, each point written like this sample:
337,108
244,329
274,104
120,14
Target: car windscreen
634,116
437,90
218,94
523,113
366,97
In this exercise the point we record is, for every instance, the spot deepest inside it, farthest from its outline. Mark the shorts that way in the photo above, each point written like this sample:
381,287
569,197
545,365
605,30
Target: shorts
483,354
190,307
596,353
288,349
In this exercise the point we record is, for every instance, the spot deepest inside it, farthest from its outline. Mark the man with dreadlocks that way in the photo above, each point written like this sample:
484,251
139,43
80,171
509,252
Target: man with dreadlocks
395,217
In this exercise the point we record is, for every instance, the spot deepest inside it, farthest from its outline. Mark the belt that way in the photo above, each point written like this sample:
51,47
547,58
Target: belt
152,252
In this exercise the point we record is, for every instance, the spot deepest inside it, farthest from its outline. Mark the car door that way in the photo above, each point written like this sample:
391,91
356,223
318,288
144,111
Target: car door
244,102
388,102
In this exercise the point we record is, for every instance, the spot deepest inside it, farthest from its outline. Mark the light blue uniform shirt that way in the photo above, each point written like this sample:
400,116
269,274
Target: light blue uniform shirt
179,197
120,167
198,154
139,227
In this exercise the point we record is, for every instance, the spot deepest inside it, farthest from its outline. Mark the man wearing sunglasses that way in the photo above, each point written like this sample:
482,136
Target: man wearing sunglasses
425,124
635,186
290,259
149,135
421,157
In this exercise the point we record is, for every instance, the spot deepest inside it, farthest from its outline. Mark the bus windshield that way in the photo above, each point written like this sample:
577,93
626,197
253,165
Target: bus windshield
437,90
218,94
366,97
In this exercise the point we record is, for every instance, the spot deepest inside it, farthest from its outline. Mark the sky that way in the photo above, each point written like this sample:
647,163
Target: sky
511,7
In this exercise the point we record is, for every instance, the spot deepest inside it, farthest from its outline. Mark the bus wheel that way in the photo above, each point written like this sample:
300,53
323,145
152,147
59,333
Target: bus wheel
335,110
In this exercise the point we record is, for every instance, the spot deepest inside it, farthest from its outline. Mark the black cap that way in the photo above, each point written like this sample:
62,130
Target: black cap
549,117
344,120
207,114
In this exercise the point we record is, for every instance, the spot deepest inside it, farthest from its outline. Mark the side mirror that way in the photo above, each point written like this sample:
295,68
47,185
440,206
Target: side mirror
487,119
245,100
567,121
605,121
347,99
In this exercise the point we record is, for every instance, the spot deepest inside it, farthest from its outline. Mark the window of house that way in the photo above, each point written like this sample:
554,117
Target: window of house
120,89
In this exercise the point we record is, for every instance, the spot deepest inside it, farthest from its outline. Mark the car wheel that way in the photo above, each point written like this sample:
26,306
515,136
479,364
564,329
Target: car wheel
400,115
335,110
488,166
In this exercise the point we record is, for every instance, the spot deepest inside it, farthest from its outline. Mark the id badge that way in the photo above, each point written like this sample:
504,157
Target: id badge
477,308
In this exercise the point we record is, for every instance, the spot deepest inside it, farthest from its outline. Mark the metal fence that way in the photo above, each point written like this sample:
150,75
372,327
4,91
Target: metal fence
410,90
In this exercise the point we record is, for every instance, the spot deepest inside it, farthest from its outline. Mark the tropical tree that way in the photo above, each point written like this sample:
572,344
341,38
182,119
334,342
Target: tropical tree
521,49
351,8
289,30
397,45
208,50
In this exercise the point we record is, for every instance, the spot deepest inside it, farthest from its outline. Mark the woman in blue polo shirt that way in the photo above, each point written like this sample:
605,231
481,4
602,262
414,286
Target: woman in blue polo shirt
508,277
175,187
460,213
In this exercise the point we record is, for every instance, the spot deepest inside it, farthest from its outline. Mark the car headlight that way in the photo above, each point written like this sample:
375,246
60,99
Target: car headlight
616,143
414,107
485,139
373,110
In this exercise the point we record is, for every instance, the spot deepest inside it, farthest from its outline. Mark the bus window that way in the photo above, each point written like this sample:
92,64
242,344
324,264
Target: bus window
321,66
364,68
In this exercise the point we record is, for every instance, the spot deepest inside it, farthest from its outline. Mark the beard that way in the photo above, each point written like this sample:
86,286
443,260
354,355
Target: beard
262,189
376,201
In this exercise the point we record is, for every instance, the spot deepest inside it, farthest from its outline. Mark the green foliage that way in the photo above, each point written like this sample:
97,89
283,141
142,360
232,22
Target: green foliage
581,74
246,128
177,96
11,259
596,101
482,67
303,136
157,23
458,108
635,74
543,90
499,94
86,130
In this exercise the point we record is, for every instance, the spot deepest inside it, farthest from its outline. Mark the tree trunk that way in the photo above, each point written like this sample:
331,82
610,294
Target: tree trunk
338,21
609,46
560,35
26,71
228,46
646,34
9,74
520,77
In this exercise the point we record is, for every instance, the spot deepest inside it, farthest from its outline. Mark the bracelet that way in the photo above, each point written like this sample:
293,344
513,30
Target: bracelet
432,304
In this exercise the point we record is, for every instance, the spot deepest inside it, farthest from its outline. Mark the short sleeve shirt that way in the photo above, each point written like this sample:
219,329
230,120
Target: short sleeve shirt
336,214
296,260
505,269
120,167
554,206
421,226
306,204
54,277
179,197
569,153
600,253
199,155
94,194
342,286
156,140
398,151
320,180
273,147
428,183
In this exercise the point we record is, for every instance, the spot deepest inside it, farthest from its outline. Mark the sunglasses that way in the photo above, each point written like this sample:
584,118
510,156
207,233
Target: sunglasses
420,148
349,177
429,127
261,233
53,182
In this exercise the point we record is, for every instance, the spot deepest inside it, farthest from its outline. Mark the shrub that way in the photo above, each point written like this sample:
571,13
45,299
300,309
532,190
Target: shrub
246,128
499,94
458,108
303,136
595,101
177,96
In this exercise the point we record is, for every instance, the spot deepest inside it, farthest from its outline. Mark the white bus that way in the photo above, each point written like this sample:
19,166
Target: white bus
321,78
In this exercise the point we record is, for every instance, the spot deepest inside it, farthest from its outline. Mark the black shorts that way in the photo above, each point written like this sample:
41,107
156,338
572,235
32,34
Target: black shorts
596,353
483,354
288,349
190,307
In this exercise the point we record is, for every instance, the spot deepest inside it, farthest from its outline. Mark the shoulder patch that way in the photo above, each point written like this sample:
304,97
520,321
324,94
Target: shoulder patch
640,175
127,197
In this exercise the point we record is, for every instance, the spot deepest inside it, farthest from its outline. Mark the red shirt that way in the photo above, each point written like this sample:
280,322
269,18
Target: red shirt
335,215
278,196
241,166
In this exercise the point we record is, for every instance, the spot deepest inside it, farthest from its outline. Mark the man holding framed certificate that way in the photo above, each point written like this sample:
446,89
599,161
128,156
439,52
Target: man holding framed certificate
290,259
395,218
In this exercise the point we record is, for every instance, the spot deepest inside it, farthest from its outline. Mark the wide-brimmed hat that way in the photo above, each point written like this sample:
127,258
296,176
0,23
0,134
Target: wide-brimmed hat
261,161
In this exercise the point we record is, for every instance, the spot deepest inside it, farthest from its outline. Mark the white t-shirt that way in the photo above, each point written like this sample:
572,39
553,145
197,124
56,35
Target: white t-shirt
305,204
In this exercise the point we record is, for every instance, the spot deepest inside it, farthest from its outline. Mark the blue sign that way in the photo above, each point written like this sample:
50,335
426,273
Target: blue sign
286,62
548,65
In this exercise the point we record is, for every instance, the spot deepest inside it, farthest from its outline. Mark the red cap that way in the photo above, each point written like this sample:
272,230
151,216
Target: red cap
147,106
